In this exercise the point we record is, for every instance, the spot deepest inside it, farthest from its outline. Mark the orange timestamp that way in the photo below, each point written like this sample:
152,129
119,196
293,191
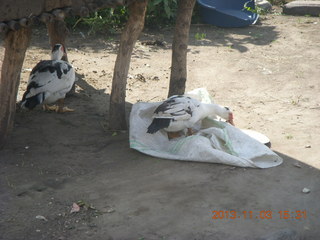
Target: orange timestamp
263,214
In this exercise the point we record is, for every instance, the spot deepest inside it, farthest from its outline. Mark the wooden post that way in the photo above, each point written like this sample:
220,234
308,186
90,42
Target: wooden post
129,36
179,48
16,44
57,31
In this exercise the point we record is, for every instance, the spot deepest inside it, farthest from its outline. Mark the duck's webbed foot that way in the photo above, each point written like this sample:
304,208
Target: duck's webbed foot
172,135
61,108
65,109
190,132
50,108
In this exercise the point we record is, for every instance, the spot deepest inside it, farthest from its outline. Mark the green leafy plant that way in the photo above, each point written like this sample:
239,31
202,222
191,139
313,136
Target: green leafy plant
200,36
289,137
161,12
108,19
256,9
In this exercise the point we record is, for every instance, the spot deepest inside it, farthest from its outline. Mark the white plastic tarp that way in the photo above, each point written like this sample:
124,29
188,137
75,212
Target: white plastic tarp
215,142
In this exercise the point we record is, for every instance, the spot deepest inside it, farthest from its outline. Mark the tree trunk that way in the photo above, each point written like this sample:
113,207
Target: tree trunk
178,75
16,43
57,31
129,36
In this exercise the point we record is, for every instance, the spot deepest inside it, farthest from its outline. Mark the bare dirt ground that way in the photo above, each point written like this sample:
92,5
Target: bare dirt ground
268,74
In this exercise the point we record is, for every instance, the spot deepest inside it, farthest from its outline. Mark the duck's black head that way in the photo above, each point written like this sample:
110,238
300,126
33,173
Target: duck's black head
58,52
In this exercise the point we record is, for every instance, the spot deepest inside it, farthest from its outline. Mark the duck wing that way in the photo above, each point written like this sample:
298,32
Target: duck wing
50,76
175,109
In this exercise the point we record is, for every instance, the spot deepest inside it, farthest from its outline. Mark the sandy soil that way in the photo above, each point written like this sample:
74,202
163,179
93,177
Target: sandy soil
268,74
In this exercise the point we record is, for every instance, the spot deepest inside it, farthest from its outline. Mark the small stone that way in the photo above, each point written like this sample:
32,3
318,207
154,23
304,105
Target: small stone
265,5
82,35
111,210
302,8
140,77
41,218
307,146
26,70
92,225
297,165
306,190
108,210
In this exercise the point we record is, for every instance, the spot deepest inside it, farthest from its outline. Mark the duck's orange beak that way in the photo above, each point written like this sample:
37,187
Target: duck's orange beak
230,120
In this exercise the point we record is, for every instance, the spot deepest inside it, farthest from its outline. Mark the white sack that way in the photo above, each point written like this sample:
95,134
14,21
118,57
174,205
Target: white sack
218,142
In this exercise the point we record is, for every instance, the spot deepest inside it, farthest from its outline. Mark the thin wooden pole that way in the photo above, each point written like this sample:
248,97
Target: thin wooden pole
58,32
129,36
178,75
16,44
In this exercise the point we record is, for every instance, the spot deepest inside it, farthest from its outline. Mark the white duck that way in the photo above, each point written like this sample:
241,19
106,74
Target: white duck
49,82
182,112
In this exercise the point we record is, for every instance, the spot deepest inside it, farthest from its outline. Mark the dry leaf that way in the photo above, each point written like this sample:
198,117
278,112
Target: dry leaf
75,208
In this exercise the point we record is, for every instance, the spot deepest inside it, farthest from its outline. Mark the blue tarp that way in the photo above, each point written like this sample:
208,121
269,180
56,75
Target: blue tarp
228,13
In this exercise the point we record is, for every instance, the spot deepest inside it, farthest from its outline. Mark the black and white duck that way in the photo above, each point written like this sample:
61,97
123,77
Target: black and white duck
181,112
49,82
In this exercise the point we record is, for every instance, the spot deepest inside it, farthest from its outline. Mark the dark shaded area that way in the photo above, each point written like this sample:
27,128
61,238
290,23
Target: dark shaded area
214,36
73,158
136,195
200,35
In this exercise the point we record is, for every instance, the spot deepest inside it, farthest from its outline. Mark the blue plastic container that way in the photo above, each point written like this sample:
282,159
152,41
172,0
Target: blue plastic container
227,13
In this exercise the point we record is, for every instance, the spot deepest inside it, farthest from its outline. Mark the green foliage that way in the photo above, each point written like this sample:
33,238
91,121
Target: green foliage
161,13
260,11
257,9
105,20
288,136
200,36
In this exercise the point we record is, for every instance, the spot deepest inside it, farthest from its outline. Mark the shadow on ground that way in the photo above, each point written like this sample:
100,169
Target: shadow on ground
54,160
200,34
